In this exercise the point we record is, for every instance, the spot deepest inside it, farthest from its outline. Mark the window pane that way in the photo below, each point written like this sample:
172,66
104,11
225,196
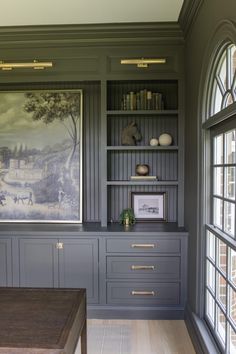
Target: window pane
211,245
230,147
221,289
218,181
218,150
232,340
230,182
220,324
233,61
222,73
217,99
210,307
210,277
233,266
229,217
232,304
218,212
222,256
229,100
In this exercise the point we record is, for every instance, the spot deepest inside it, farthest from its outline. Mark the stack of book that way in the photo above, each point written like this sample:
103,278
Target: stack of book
143,178
142,100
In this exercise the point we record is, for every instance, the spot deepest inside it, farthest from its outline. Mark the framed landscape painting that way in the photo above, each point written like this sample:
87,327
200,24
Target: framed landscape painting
149,206
41,156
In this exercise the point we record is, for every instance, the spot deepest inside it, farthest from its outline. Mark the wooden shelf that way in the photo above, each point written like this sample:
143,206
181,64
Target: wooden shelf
142,183
142,112
142,148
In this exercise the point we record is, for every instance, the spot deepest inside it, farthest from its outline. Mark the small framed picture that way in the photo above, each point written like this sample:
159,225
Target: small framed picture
149,206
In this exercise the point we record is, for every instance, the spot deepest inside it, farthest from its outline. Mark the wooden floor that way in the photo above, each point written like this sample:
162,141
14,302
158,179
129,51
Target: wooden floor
137,337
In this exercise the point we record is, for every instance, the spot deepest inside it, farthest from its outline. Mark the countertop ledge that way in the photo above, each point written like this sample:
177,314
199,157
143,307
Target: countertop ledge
93,229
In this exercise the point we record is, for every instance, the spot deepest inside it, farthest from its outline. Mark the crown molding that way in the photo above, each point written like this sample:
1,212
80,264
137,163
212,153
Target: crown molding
188,14
95,34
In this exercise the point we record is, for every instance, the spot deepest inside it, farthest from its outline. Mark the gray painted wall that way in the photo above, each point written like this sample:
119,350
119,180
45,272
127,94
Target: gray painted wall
200,34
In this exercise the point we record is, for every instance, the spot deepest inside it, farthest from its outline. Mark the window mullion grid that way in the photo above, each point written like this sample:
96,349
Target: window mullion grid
224,159
228,68
233,87
227,330
212,170
220,298
215,297
220,85
235,189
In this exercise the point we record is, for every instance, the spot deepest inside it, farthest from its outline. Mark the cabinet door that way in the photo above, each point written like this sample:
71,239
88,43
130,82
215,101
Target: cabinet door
78,266
38,263
5,263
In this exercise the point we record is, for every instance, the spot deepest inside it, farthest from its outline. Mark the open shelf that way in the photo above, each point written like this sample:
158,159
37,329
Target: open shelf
142,183
142,112
142,148
121,160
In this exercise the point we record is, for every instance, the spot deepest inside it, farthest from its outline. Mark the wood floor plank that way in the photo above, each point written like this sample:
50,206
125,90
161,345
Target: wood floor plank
138,337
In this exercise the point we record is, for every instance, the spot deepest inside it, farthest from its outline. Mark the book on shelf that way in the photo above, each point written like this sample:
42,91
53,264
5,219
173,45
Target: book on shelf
143,178
142,100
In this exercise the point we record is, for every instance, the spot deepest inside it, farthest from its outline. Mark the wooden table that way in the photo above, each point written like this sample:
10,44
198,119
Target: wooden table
42,321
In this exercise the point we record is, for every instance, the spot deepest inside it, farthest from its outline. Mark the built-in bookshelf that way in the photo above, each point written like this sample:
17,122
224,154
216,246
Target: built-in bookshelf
154,106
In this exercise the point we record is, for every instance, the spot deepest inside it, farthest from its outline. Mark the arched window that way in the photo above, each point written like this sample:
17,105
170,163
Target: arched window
220,173
222,91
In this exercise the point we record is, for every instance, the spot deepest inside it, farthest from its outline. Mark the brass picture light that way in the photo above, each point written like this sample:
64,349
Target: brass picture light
37,65
143,63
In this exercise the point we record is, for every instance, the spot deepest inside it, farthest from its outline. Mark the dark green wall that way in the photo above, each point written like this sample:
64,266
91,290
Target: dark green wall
199,41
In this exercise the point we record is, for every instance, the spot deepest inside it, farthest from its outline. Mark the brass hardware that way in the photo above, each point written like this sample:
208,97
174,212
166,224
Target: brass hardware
143,245
145,293
59,245
142,267
142,62
32,65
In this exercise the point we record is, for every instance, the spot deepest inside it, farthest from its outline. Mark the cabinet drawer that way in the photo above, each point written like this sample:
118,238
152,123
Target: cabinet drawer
145,267
136,293
142,246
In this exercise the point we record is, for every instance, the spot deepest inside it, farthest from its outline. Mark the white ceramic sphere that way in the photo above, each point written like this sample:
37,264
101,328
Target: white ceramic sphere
153,142
165,139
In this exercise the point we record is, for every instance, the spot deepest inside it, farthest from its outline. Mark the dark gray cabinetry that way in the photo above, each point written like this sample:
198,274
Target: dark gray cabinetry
67,263
139,272
143,294
78,266
38,263
5,262
148,272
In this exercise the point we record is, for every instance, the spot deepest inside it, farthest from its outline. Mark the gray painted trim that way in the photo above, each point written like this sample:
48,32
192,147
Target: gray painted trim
221,116
188,14
125,312
96,34
200,335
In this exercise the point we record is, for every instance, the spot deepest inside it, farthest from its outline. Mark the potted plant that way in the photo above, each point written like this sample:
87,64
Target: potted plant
127,217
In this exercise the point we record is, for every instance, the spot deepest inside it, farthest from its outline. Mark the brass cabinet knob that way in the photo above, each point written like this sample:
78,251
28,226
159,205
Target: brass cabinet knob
59,245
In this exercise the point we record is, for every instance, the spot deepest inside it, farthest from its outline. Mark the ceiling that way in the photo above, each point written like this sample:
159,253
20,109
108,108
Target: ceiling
54,12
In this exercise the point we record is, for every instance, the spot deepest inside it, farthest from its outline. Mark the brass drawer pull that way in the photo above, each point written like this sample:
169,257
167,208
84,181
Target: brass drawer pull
143,245
142,267
145,293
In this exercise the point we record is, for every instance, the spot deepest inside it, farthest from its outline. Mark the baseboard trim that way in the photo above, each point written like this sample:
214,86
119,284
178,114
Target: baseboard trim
121,312
200,335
